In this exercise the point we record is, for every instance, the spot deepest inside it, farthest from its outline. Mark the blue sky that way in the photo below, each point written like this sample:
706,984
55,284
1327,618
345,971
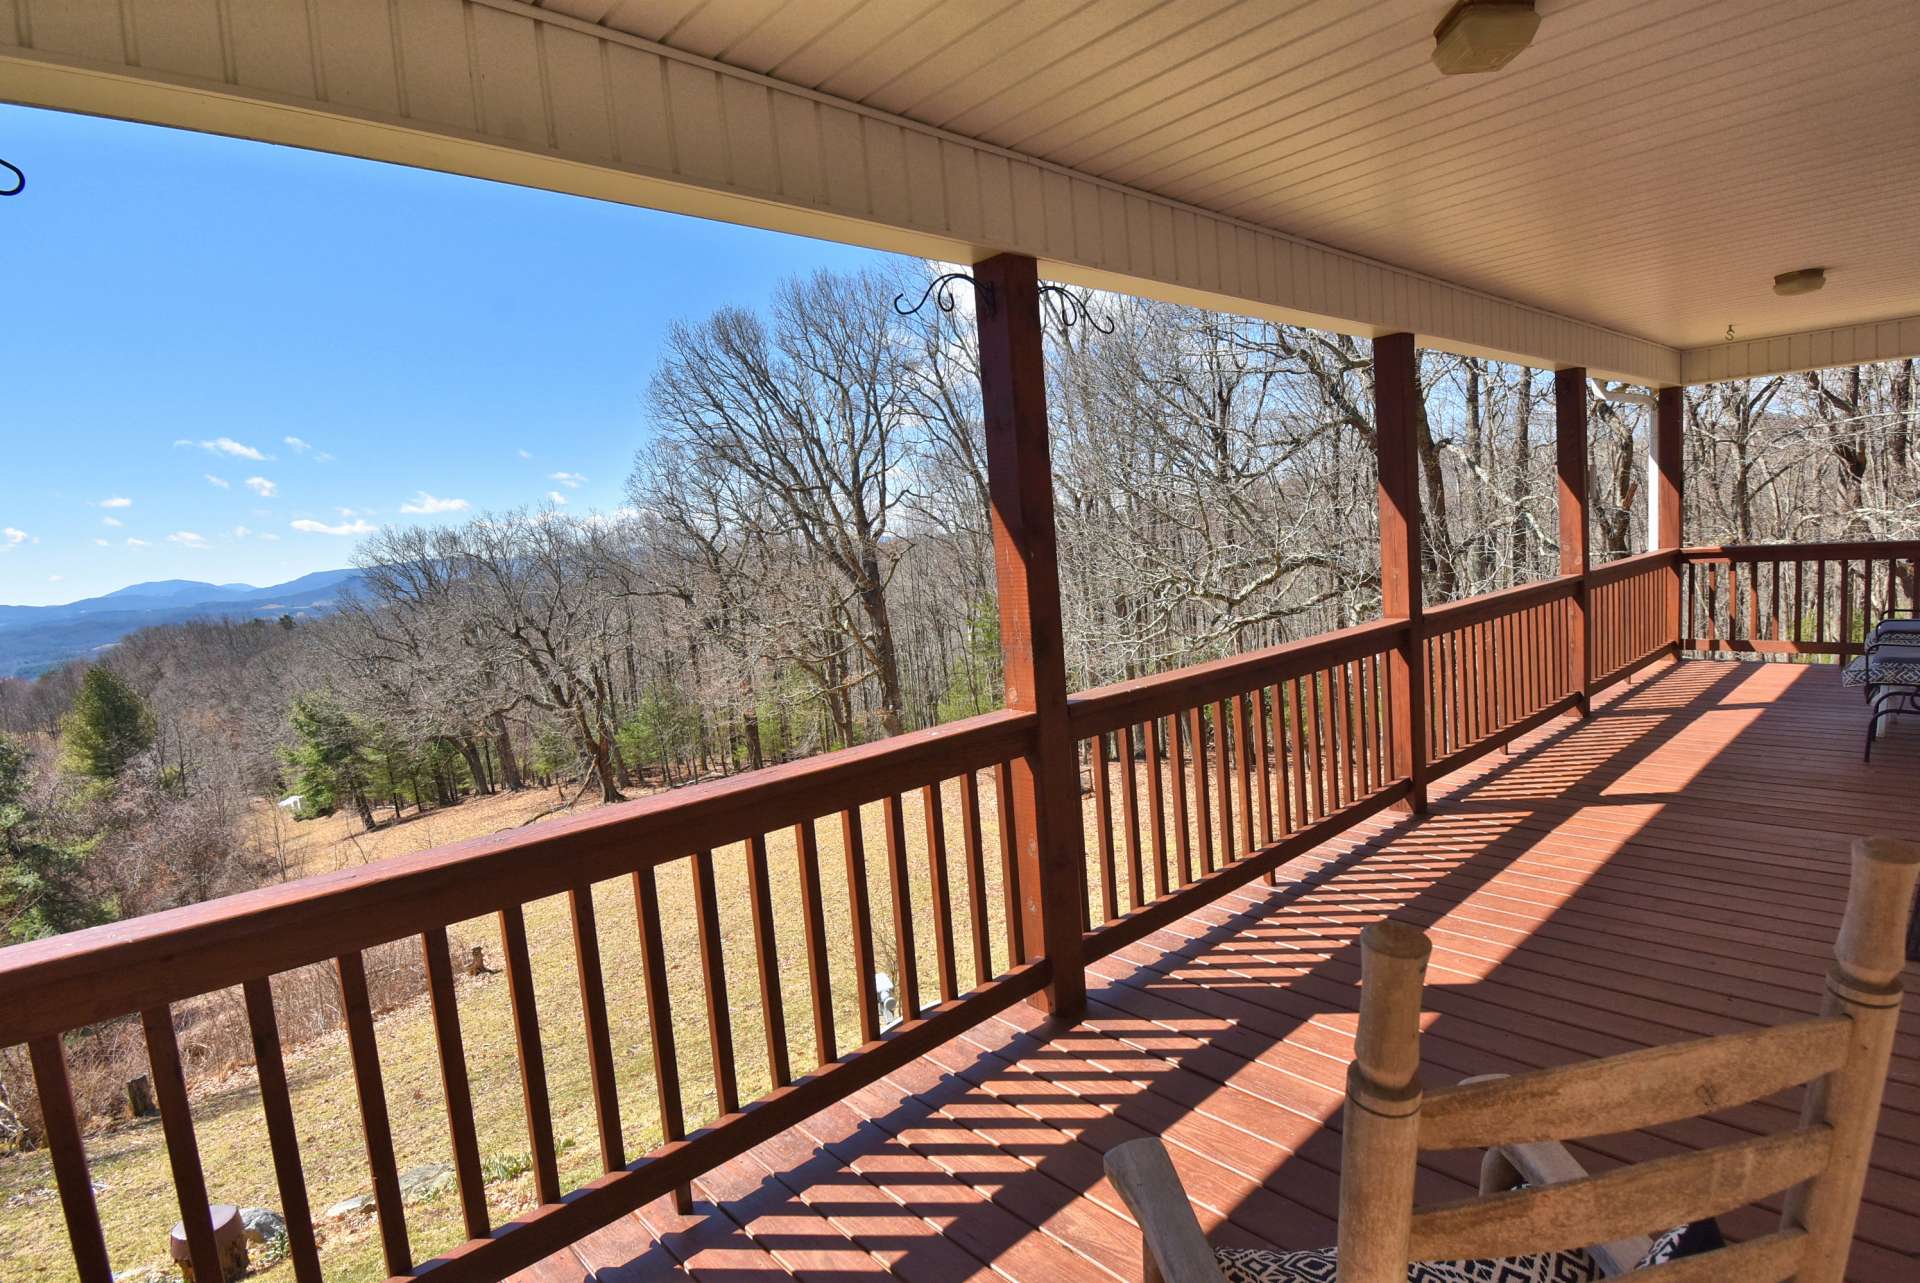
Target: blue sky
220,360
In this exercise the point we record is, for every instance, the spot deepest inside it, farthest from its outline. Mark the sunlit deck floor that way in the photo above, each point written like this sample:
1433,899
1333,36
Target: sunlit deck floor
1671,868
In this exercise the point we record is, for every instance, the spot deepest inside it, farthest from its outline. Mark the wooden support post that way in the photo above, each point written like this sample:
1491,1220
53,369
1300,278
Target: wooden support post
1666,492
1394,389
1380,1132
1046,781
1570,437
1864,985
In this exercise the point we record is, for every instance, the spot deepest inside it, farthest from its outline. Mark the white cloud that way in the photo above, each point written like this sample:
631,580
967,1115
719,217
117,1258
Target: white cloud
241,532
571,480
116,502
524,454
188,538
353,512
312,527
226,445
112,521
555,497
222,482
53,579
102,543
135,543
269,536
296,445
262,487
13,536
423,504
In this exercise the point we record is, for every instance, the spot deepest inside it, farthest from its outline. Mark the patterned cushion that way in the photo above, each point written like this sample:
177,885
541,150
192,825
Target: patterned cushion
1257,1265
1253,1265
1888,666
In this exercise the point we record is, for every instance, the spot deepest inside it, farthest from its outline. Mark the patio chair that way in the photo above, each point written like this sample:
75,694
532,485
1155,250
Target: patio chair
1539,1216
1888,671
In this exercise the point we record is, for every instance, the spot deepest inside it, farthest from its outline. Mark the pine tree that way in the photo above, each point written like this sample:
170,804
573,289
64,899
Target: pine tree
108,727
42,890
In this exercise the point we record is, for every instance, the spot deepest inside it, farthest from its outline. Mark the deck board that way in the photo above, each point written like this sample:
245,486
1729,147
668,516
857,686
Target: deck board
1671,868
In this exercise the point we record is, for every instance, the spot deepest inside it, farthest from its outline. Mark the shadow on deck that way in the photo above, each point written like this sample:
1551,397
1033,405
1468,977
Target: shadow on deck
1673,867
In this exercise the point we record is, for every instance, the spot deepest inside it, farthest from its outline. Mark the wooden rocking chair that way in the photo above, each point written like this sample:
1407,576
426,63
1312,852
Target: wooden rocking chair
1842,1055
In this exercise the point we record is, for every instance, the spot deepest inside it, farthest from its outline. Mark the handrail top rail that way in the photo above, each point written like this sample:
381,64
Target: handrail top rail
1471,610
67,981
1109,707
1875,549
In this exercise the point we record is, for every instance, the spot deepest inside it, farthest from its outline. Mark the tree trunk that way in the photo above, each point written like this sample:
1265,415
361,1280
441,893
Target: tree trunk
503,745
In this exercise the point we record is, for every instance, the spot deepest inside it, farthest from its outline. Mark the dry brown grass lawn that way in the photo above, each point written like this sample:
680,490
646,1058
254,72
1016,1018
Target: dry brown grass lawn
129,1160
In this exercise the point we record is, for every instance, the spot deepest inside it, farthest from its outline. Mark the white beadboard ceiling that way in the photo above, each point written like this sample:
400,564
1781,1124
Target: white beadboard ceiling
1616,198
1648,165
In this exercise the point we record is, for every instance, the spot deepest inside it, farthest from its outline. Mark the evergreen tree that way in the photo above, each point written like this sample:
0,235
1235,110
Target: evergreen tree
330,758
41,878
109,725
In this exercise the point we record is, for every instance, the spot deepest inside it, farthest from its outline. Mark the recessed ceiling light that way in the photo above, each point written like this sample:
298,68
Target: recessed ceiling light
1804,281
1483,35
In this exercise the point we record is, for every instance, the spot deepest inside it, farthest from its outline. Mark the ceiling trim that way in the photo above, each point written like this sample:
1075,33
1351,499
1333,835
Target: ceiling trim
497,89
1889,340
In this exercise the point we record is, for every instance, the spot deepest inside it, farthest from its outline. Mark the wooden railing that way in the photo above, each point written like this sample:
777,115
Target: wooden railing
1192,782
1495,666
1203,778
147,965
1633,615
1794,599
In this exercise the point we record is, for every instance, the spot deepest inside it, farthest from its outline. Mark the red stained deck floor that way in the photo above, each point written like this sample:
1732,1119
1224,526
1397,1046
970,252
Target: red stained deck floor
1673,867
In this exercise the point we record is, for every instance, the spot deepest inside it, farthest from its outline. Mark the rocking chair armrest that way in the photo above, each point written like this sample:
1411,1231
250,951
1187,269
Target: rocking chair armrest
1547,1162
1174,1250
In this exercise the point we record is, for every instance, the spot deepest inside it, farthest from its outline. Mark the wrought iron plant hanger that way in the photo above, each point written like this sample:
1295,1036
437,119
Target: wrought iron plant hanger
19,179
940,291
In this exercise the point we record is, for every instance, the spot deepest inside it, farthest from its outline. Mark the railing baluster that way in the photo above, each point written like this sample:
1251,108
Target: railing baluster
1156,808
1130,803
445,1008
1370,722
1243,759
1820,600
593,1009
1304,768
713,970
1202,810
533,1060
976,862
69,1156
1346,712
666,1060
930,801
271,1071
1262,728
1009,866
1225,748
183,1152
766,956
1846,605
364,1051
902,907
1282,777
1177,761
806,845
1326,792
1103,825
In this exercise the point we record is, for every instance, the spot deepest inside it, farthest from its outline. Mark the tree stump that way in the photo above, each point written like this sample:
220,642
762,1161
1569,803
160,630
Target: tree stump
229,1239
140,1097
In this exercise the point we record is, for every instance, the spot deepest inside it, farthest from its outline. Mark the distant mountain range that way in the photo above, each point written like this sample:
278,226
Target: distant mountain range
36,638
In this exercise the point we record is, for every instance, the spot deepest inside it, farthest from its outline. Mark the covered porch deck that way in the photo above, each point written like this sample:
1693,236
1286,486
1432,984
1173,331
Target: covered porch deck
1673,867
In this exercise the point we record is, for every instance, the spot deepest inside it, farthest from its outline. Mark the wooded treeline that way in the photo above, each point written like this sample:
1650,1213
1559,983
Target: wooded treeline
805,559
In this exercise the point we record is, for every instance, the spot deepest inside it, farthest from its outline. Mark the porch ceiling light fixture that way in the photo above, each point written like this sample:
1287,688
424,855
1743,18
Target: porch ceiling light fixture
1804,281
1483,35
